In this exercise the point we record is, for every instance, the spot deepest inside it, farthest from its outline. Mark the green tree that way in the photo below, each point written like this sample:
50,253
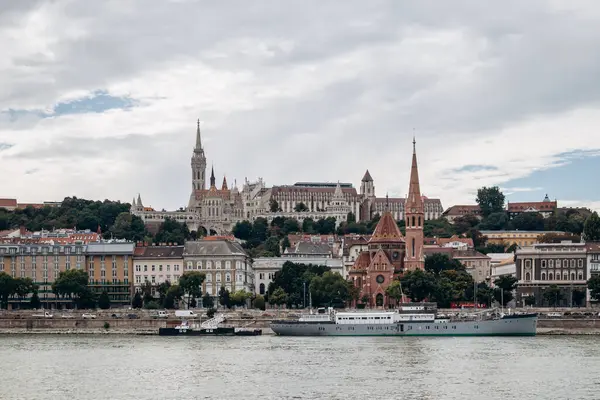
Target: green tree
292,277
530,300
330,289
478,239
528,221
273,206
259,302
512,248
151,305
438,262
224,297
210,312
490,200
172,231
173,297
394,291
24,286
593,285
290,225
285,243
191,284
553,295
463,223
505,286
351,218
278,297
242,230
162,290
272,247
137,301
104,301
239,297
418,285
35,302
300,207
74,285
325,226
146,289
129,227
438,228
578,297
495,221
207,301
7,288
591,228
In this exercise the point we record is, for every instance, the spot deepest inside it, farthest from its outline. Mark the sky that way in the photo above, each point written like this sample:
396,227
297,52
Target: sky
100,99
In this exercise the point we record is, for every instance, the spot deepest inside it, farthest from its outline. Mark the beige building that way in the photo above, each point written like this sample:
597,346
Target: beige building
520,238
42,263
225,263
156,265
460,211
476,263
110,268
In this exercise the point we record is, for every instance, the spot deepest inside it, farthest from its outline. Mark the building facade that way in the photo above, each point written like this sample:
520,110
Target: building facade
216,210
520,238
476,263
545,207
458,211
42,263
545,264
593,264
110,269
224,262
156,265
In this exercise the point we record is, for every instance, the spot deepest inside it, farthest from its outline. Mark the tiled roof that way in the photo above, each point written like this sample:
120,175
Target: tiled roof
34,205
468,254
309,248
386,231
367,177
459,210
593,247
213,248
537,205
298,189
8,203
454,238
159,252
362,262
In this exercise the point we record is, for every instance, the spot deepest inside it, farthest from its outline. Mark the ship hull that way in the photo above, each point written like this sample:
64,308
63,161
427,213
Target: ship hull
522,325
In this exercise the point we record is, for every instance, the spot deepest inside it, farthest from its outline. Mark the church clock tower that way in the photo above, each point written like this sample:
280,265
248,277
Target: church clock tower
198,168
415,218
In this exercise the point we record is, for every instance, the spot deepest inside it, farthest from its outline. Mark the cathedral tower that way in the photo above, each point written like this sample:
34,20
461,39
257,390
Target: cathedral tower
198,163
415,217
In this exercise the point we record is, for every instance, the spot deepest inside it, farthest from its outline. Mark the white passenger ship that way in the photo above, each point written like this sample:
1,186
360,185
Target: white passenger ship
409,320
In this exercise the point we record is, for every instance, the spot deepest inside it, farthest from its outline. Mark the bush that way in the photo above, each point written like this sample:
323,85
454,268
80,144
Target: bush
151,305
104,301
259,302
106,325
210,312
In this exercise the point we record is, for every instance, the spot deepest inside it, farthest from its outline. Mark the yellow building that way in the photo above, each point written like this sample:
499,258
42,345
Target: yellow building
110,268
520,238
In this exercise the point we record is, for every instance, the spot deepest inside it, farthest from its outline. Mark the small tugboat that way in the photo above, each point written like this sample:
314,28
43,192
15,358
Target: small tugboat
211,327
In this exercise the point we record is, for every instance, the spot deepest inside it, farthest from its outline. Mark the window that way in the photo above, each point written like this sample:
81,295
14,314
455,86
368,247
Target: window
543,276
208,277
527,276
261,276
199,265
138,279
218,277
572,275
580,275
153,268
551,264
543,263
262,288
227,277
565,276
227,264
580,263
550,276
572,263
145,268
189,265
209,264
168,268
565,263
153,278
218,264
160,268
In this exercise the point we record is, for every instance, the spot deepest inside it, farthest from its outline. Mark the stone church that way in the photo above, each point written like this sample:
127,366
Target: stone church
389,253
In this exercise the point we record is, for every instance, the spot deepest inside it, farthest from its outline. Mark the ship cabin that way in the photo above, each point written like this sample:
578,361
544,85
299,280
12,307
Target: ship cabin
391,317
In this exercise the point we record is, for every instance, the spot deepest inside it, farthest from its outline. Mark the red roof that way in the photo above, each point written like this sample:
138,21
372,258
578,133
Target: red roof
8,203
537,205
387,230
467,241
459,210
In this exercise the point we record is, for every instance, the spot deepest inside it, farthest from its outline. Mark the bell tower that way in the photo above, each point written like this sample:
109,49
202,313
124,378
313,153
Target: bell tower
198,163
415,218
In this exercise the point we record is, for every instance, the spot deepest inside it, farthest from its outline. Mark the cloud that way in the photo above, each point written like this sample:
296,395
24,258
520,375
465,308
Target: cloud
296,92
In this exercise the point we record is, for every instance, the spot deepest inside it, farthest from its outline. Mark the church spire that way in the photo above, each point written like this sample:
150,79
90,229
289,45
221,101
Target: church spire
212,177
415,219
198,138
224,186
414,188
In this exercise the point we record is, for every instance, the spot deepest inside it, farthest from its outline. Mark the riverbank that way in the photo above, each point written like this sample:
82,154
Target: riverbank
151,326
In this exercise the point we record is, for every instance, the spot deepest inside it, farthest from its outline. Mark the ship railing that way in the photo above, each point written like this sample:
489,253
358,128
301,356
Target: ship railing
214,322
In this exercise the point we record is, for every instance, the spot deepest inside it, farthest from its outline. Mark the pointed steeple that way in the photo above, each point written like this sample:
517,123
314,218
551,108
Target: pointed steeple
387,202
414,189
133,202
224,186
367,177
198,138
338,193
139,201
212,177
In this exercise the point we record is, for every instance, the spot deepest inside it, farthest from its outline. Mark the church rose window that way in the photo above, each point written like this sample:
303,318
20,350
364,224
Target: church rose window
380,279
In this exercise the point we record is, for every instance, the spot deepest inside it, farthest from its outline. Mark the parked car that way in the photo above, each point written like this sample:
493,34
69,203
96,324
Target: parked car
160,314
88,316
185,314
132,316
116,316
69,316
44,315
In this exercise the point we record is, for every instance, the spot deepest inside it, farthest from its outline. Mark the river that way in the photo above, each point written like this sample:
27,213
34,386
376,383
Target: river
268,367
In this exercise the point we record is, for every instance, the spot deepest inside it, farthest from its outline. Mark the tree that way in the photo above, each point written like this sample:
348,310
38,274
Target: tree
137,301
394,291
74,285
162,290
490,200
505,285
259,302
528,221
151,305
272,247
478,239
104,301
173,296
146,290
7,288
300,207
578,297
308,225
494,222
285,243
278,297
129,227
172,231
553,295
330,289
365,299
351,218
290,225
530,300
273,205
292,277
593,285
418,284
239,297
512,248
591,228
207,301
242,230
438,228
210,312
193,303
24,286
465,222
224,297
438,262
191,284
35,302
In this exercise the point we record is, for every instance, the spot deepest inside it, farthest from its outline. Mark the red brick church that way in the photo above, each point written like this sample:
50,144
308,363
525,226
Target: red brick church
390,253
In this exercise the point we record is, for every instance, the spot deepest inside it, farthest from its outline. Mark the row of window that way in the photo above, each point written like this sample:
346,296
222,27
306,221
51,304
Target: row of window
551,263
35,250
209,265
271,275
558,276
138,268
153,279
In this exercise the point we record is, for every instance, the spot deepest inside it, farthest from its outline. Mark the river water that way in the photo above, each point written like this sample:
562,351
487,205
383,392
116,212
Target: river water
268,367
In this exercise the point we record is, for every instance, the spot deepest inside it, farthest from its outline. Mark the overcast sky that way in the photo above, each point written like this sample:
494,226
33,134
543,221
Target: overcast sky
99,99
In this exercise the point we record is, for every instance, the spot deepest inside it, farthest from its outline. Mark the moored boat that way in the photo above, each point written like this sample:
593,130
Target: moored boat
211,327
412,319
